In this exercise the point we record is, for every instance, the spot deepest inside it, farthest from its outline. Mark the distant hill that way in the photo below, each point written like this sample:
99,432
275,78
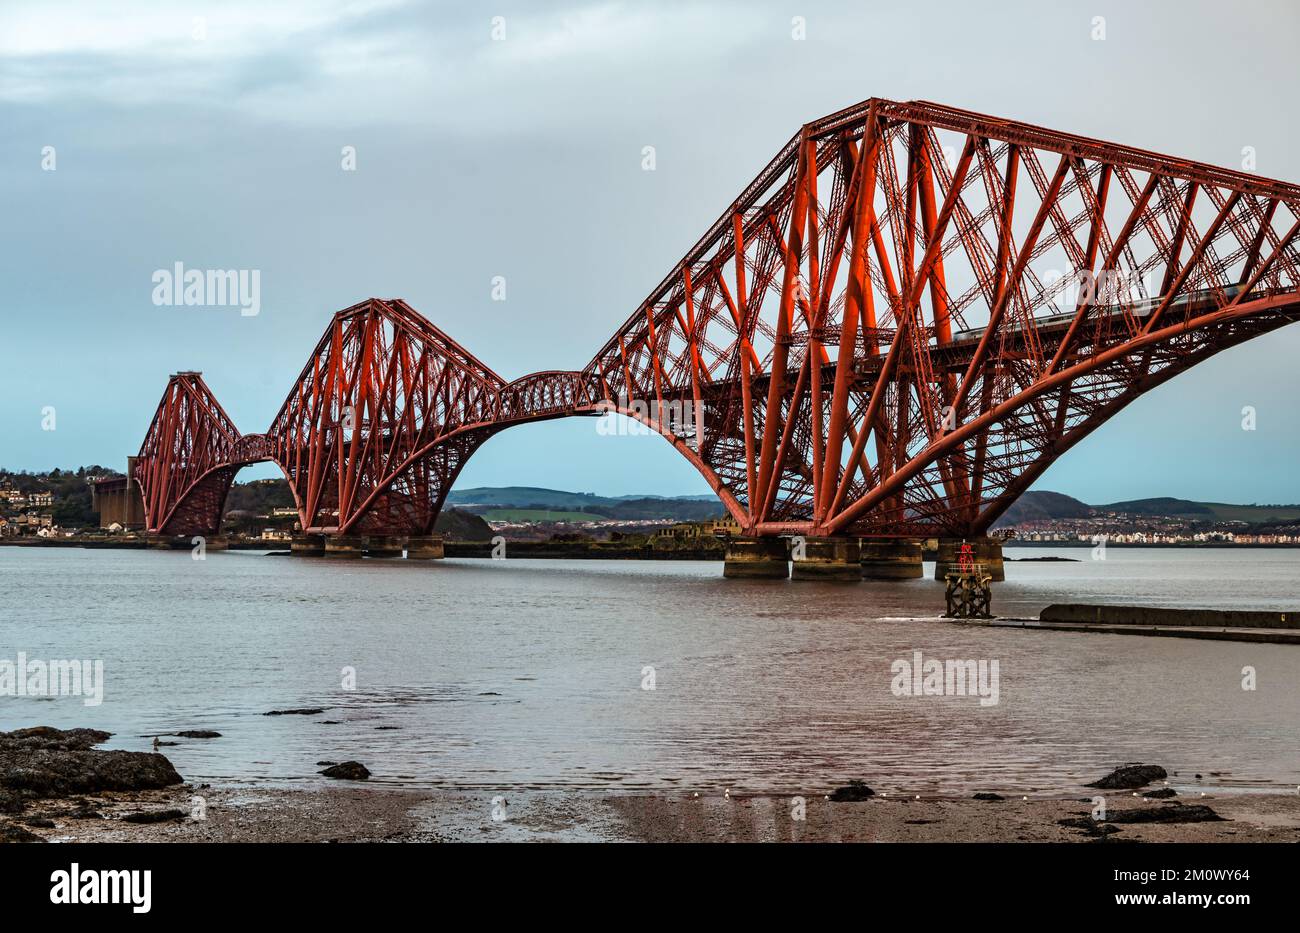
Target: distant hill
1042,505
1036,506
707,497
532,503
1207,511
538,504
1163,506
501,503
1226,512
525,497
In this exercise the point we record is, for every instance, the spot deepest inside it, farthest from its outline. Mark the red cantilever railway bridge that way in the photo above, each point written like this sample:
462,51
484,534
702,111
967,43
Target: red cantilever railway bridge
862,335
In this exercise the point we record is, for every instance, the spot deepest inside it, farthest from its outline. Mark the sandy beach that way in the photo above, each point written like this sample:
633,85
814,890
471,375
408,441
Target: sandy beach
356,813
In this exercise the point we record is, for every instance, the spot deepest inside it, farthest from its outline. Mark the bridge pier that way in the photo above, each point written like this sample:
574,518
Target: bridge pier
216,543
987,553
307,545
827,559
384,545
171,542
349,546
757,559
891,560
424,547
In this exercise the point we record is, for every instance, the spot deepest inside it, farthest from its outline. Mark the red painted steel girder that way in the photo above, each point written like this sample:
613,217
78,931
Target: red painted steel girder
897,326
365,435
874,337
187,461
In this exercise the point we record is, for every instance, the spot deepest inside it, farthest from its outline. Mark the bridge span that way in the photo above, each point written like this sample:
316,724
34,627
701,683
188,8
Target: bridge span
891,332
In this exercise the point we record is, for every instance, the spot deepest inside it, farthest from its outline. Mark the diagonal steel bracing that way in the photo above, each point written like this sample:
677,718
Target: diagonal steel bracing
892,331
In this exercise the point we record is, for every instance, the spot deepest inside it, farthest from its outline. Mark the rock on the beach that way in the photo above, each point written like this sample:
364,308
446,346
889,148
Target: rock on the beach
47,738
1161,794
985,795
154,816
1170,813
347,771
853,792
198,734
1129,777
1089,826
12,832
46,762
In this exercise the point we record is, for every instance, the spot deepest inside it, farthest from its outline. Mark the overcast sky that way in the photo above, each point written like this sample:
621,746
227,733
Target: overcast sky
212,134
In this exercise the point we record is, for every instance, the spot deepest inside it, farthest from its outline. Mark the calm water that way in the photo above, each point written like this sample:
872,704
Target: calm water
505,673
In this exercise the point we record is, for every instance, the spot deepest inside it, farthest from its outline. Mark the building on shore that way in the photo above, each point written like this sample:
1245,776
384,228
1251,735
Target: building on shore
714,528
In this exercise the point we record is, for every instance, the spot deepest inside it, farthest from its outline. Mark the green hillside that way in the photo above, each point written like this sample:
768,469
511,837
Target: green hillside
1041,505
538,515
1226,512
507,503
526,497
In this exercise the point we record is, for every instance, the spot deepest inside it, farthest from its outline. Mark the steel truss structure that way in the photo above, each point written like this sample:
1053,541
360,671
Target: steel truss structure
896,327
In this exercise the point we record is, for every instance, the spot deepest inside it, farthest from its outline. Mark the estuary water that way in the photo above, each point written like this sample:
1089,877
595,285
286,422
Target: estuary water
634,675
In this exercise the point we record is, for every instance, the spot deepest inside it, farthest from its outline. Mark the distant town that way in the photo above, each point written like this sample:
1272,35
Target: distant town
1042,517
61,504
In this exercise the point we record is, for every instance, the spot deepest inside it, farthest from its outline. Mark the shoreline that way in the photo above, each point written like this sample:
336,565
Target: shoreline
57,786
545,550
359,813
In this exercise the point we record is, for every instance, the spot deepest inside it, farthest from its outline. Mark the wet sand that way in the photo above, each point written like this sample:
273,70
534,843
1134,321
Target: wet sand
360,813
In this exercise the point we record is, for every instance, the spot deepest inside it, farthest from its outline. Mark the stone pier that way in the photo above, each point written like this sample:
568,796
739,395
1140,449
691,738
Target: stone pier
425,547
827,559
217,543
987,554
891,560
384,545
344,546
307,546
757,558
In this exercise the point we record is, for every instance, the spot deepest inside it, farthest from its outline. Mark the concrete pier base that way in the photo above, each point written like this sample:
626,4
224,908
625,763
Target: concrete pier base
307,546
384,545
217,543
988,555
344,546
892,560
757,559
425,547
827,559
